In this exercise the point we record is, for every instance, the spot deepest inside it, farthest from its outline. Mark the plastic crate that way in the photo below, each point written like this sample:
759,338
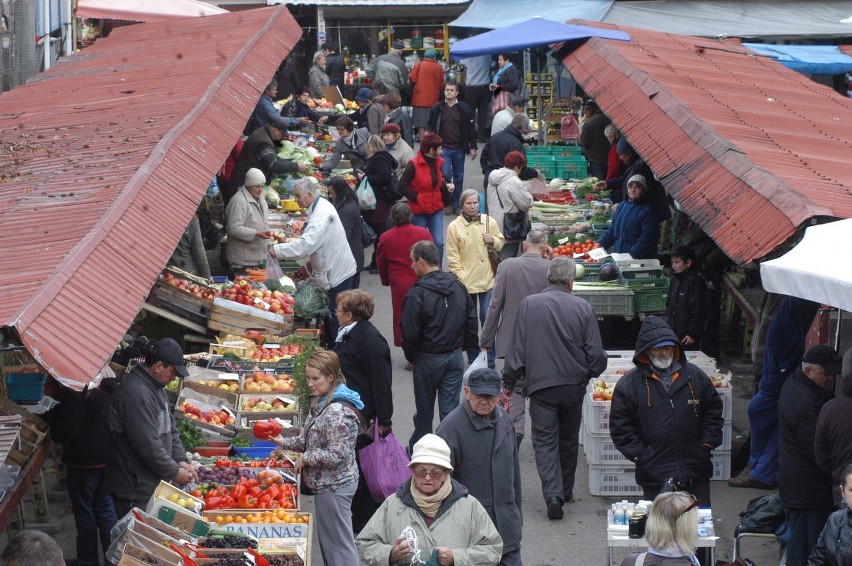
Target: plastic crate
256,450
615,302
727,396
26,387
601,450
726,436
570,167
641,269
544,163
721,465
597,413
650,301
592,269
648,284
613,480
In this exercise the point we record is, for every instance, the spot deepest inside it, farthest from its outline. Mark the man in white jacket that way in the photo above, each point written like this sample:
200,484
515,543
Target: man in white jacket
324,240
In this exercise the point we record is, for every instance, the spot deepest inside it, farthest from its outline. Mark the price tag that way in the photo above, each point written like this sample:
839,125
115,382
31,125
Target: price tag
228,376
598,253
271,346
300,551
563,241
258,302
579,256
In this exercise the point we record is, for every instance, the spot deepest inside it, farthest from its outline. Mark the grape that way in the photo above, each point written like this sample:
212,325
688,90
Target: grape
230,541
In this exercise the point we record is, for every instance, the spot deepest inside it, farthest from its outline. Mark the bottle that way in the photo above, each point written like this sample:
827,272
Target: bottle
618,517
346,56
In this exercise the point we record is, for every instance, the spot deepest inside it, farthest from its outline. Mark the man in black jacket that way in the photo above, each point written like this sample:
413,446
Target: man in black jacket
438,323
501,143
805,489
686,303
666,416
334,66
453,120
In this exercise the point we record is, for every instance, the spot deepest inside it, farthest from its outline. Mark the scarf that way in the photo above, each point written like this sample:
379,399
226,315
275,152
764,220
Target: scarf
344,394
429,504
674,554
502,69
344,331
475,218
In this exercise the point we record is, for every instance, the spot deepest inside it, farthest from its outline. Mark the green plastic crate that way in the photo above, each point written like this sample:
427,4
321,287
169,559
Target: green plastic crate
615,302
544,163
650,301
572,167
651,284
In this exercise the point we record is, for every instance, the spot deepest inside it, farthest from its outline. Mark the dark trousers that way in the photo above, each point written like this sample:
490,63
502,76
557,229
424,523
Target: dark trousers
363,504
555,414
435,375
478,97
331,324
379,228
94,513
805,528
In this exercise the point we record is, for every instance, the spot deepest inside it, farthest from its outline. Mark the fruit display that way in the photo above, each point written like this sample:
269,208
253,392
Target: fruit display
229,385
279,516
283,559
262,382
577,249
186,503
282,352
268,403
206,293
222,475
228,541
603,390
244,292
251,464
220,417
250,494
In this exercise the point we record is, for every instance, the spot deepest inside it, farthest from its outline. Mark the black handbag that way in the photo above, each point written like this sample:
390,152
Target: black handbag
368,235
516,225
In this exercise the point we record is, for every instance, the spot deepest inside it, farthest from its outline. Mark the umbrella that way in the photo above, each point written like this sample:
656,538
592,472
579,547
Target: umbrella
531,33
815,269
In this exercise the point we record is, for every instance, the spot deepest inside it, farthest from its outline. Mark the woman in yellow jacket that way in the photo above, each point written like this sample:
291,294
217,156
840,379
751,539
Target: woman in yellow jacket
469,238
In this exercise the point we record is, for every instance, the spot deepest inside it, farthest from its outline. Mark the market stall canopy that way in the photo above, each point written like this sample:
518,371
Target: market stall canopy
103,161
496,14
722,18
809,59
145,10
749,149
816,269
530,33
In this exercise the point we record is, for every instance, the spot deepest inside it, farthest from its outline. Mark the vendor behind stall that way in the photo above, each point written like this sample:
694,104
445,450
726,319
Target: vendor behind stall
266,113
635,229
247,225
297,107
352,145
189,255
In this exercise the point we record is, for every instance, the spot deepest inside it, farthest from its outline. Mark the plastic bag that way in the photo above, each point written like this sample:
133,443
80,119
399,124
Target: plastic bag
481,362
384,465
273,268
366,195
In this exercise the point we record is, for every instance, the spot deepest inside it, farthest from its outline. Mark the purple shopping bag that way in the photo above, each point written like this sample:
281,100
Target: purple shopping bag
384,464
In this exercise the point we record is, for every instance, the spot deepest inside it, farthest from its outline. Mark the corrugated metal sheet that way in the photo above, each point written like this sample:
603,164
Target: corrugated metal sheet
103,160
748,148
388,3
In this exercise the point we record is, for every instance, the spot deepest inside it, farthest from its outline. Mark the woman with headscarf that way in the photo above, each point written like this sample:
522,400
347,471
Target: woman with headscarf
431,519
317,77
247,225
379,171
671,531
343,198
327,463
634,229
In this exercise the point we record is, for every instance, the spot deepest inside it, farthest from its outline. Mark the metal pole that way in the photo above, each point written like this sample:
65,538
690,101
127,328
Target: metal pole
838,330
45,30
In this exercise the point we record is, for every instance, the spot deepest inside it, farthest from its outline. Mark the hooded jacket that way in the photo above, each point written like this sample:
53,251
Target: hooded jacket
634,230
833,444
461,524
505,186
438,316
834,547
669,434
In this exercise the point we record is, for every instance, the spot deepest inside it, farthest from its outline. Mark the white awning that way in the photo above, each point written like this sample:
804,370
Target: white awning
495,14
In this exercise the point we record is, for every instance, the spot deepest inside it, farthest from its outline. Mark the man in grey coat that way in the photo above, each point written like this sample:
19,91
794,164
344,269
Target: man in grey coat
557,347
485,458
517,278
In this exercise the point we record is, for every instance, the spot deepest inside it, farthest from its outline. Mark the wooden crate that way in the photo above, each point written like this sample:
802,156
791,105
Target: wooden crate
230,317
185,305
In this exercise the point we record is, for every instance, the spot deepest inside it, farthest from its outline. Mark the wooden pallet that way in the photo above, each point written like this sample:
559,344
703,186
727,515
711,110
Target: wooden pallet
229,317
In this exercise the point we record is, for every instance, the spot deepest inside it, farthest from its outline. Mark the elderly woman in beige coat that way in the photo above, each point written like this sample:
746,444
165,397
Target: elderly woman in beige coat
247,225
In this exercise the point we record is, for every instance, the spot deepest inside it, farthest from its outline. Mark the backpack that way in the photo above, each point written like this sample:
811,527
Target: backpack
763,514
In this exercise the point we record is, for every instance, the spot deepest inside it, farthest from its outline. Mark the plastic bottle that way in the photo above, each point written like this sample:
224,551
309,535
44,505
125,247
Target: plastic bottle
619,517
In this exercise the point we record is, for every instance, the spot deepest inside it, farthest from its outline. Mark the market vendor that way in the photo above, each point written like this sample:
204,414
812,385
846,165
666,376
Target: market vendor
297,107
266,113
655,194
189,255
634,229
260,151
247,225
352,145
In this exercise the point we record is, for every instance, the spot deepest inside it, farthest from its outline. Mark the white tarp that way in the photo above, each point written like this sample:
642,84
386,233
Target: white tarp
818,268
496,14
737,19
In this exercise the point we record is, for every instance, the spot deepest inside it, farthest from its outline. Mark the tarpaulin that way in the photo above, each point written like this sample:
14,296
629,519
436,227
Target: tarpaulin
494,14
808,59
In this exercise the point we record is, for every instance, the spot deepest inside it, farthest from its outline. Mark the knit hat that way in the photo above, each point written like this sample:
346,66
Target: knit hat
638,179
624,148
363,94
391,127
824,356
398,45
430,54
254,177
431,449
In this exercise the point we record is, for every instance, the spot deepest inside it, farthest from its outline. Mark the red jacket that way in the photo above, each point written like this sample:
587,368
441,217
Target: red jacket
429,199
427,76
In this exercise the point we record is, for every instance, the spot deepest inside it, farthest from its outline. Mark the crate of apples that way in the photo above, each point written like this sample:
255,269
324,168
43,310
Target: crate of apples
210,416
206,293
229,385
273,301
262,382
283,352
268,404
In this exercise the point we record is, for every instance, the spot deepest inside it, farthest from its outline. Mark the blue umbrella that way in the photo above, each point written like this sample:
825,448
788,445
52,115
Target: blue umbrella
531,33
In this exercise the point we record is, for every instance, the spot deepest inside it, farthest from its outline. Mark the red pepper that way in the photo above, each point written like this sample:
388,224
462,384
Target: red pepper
264,430
228,502
239,491
255,490
212,503
264,501
253,482
246,502
274,491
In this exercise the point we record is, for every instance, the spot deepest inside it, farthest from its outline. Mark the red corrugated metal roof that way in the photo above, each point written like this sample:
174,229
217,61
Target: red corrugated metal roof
748,148
103,161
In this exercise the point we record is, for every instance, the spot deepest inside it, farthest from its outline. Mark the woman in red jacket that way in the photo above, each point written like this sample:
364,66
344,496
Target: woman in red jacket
424,186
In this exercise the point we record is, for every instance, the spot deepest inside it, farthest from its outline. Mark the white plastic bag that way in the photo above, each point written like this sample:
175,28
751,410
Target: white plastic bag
481,362
366,195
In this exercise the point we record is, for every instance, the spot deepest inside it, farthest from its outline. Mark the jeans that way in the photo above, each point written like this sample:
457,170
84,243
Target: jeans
555,413
763,418
439,374
435,224
805,528
481,302
331,323
93,512
453,171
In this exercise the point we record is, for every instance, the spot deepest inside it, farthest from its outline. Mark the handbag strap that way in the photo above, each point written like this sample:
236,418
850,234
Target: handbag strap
640,560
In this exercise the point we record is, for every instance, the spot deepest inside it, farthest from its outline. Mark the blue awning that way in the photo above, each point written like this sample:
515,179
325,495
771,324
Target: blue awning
496,14
531,33
808,59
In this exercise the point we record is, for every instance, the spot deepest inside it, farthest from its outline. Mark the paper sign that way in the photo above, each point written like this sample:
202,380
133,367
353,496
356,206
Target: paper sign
563,241
227,410
271,346
260,303
228,376
598,254
579,255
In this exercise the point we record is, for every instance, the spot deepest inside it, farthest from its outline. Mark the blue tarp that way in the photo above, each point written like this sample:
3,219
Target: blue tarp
496,14
531,33
808,59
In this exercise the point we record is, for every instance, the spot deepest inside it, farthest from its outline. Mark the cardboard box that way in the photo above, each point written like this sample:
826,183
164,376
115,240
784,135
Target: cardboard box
179,517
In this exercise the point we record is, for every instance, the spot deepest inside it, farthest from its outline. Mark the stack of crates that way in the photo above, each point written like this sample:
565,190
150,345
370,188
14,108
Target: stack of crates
565,161
544,163
649,284
610,473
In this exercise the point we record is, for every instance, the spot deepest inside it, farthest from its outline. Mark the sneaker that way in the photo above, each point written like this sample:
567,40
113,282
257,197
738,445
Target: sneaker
750,482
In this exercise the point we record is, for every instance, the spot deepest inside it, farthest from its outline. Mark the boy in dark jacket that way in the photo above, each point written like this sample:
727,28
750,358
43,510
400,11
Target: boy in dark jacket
666,416
686,305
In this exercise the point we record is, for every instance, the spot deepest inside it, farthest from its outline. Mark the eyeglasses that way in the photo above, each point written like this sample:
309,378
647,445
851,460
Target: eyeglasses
423,473
691,507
